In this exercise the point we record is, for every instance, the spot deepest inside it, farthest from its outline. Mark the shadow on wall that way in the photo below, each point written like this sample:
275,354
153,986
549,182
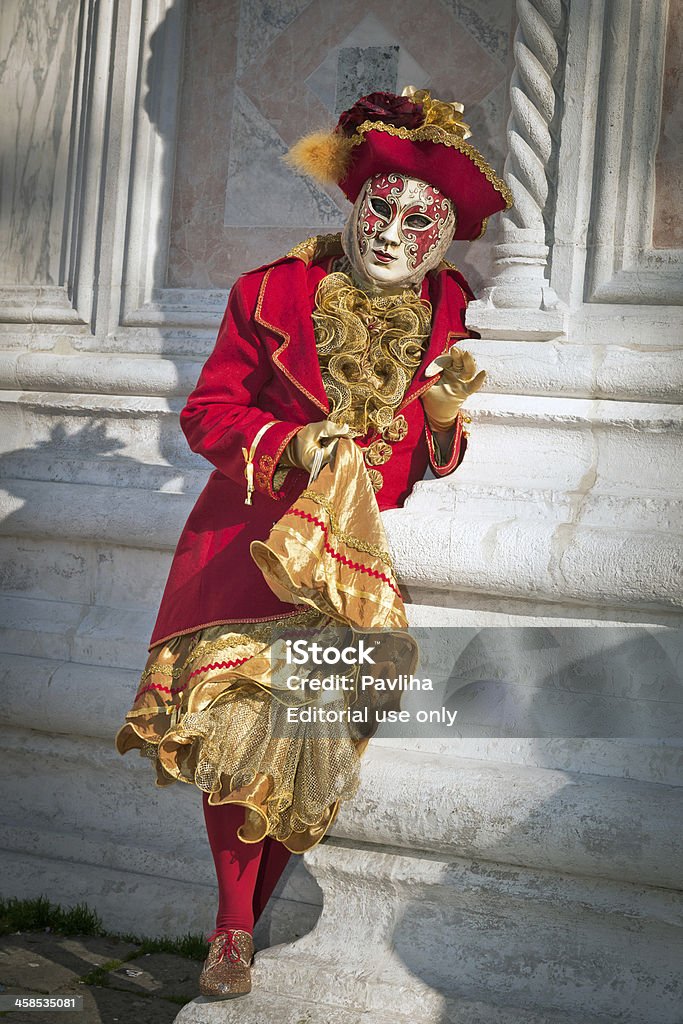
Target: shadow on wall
556,683
152,103
488,931
90,455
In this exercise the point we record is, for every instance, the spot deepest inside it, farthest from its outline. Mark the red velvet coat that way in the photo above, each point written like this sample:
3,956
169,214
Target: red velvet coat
261,383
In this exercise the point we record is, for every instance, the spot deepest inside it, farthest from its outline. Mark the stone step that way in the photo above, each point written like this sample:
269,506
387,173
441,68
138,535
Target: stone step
264,1007
578,444
430,939
522,558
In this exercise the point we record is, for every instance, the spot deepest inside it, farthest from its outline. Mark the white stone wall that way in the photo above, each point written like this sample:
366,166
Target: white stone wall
484,879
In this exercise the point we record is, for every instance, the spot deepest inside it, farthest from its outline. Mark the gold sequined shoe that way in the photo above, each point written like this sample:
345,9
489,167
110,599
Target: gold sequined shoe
227,968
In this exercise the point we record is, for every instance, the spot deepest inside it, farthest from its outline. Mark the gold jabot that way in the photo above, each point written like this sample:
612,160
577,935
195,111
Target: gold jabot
369,348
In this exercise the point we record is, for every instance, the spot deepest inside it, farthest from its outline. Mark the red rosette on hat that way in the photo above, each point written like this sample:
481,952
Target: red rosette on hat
413,135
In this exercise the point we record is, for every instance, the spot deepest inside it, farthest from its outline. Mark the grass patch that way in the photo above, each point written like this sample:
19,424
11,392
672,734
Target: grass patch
193,947
100,975
39,914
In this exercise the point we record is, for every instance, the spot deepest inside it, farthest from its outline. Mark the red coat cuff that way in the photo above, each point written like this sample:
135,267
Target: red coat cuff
444,464
266,451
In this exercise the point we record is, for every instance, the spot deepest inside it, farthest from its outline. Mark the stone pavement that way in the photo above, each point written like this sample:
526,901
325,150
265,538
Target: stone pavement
149,988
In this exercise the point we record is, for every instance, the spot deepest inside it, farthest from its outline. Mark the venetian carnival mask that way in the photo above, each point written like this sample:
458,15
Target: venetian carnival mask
399,230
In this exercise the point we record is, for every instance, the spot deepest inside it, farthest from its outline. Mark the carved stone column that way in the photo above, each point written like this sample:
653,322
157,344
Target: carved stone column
521,282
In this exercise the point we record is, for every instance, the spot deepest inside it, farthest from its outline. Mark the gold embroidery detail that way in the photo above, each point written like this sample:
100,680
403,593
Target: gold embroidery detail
377,453
397,429
376,479
164,640
266,462
432,133
207,648
317,247
369,348
279,477
159,670
353,542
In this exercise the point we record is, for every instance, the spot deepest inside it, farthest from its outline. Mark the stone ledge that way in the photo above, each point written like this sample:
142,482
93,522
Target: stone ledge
55,701
565,562
566,448
90,512
558,821
530,817
558,410
639,372
64,631
557,562
97,373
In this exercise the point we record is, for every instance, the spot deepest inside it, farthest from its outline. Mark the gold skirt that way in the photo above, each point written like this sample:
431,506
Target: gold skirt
208,712
212,706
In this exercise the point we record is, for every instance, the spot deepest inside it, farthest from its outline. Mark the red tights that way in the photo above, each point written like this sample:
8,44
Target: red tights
247,873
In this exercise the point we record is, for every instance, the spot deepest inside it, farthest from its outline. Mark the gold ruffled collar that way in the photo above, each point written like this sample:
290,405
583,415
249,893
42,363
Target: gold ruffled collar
369,347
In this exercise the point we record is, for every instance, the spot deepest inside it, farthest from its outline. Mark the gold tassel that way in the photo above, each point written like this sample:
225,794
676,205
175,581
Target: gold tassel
249,473
249,460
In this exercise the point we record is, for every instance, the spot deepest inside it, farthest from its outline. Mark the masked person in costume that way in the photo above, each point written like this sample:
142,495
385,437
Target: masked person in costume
344,349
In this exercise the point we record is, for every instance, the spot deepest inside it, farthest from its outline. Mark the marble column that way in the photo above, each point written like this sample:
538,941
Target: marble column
520,286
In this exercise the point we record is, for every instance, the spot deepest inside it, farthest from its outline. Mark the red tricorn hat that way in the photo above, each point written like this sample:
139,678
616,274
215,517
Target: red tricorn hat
413,135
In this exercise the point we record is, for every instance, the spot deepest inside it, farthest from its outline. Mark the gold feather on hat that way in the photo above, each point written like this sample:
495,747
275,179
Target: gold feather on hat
324,156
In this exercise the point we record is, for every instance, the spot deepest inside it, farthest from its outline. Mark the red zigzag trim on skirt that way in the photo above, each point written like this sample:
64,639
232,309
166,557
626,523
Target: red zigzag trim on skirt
338,555
218,664
163,689
178,689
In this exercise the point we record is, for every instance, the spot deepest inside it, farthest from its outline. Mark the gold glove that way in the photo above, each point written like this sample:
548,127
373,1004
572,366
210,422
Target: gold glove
459,380
316,437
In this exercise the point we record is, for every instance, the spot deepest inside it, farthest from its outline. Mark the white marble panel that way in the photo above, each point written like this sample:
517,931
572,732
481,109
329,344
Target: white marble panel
38,43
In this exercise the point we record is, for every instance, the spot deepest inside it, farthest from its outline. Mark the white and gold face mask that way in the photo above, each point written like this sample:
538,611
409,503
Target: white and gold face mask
399,229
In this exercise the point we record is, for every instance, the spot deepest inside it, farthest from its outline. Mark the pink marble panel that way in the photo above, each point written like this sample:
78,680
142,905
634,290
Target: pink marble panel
198,254
245,86
667,229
